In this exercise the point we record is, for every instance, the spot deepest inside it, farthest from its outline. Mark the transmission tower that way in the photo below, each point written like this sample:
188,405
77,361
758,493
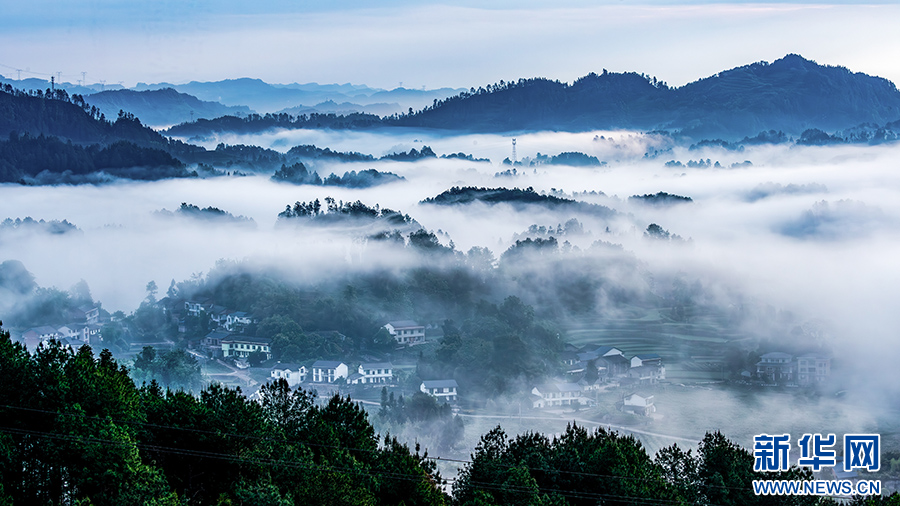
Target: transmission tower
514,151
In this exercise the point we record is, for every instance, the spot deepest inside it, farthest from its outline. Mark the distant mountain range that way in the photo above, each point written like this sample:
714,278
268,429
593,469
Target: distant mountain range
792,94
788,97
264,97
240,97
161,108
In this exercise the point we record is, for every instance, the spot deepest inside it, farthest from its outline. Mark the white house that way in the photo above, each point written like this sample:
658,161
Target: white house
73,331
41,333
442,390
776,367
646,359
242,346
294,374
195,307
638,404
91,333
647,368
813,368
91,313
557,394
376,372
235,321
406,332
328,371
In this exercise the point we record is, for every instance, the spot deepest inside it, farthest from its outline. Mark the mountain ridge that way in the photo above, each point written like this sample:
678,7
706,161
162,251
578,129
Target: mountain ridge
791,94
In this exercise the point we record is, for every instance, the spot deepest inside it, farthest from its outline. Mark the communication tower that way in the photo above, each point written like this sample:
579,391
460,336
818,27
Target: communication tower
514,151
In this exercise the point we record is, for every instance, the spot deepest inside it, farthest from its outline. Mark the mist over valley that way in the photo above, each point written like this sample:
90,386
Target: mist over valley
670,285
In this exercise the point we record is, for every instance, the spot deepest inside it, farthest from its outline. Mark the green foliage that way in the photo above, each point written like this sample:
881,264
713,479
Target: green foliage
25,157
591,467
173,369
76,430
499,347
427,417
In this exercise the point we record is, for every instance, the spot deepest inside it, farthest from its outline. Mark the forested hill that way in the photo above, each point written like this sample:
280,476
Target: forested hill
791,94
71,118
161,107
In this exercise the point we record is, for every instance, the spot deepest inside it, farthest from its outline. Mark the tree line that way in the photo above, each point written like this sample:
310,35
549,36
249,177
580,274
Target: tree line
76,430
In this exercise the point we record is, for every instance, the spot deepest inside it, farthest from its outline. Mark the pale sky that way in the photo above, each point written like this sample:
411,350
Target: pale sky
429,43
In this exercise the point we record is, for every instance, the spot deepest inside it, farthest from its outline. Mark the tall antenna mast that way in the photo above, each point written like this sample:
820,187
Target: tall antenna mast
514,151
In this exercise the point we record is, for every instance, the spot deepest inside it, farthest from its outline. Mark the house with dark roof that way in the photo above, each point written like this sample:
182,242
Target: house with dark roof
211,344
195,307
239,346
237,321
407,332
616,365
442,390
647,369
41,333
376,373
776,367
91,314
557,394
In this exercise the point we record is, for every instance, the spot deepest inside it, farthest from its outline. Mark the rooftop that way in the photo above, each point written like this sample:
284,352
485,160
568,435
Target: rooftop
440,383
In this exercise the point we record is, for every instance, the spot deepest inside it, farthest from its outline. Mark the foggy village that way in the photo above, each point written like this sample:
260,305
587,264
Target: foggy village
603,288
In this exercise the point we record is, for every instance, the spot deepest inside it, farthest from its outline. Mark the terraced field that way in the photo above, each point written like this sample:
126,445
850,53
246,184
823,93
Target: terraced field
642,330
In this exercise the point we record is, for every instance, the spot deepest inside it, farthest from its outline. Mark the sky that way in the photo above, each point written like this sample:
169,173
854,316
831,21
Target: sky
432,44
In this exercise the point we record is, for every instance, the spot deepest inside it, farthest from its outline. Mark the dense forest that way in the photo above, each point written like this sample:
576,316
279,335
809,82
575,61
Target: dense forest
516,197
210,213
299,174
253,123
77,430
49,160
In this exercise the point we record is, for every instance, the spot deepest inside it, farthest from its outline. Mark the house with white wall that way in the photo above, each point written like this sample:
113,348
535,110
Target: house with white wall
406,332
328,371
294,374
442,390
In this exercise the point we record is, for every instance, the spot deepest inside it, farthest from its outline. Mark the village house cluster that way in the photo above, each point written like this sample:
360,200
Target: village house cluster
808,369
589,367
84,328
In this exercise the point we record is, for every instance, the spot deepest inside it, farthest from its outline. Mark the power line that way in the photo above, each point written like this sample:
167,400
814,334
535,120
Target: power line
59,75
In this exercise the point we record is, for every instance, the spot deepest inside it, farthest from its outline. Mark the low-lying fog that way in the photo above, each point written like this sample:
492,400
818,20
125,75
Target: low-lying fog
812,230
